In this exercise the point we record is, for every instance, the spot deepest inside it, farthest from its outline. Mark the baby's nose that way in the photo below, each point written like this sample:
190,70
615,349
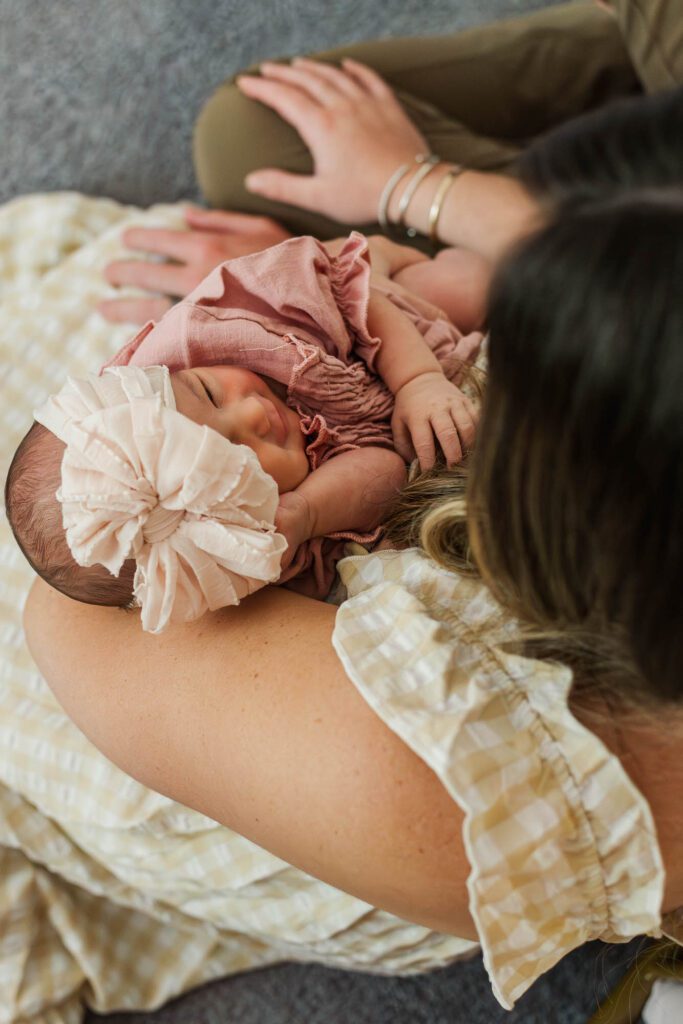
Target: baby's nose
255,416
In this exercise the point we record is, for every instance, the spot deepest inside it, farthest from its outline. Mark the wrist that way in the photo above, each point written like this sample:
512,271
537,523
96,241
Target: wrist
302,509
416,217
414,214
418,376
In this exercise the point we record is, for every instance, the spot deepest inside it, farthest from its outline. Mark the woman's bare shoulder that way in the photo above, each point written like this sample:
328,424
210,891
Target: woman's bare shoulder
248,716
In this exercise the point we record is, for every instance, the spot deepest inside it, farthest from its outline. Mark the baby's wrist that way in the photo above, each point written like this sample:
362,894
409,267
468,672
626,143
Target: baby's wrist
431,372
298,505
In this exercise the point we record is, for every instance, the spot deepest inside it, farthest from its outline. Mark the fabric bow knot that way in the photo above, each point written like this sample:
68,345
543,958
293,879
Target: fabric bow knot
139,480
161,522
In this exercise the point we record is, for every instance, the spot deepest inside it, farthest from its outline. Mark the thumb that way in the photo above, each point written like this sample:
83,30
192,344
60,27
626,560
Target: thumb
295,189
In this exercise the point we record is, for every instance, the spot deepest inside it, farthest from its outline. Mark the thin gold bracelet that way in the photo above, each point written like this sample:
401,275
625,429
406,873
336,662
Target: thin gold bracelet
437,202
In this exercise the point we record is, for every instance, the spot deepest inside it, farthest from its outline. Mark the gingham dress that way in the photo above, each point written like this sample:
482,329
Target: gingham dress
117,898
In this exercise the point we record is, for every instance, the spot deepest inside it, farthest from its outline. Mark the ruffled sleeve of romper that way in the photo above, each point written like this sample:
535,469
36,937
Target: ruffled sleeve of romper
292,290
297,315
561,844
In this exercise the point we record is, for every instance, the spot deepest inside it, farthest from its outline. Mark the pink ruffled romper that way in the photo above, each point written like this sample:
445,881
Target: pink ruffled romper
299,316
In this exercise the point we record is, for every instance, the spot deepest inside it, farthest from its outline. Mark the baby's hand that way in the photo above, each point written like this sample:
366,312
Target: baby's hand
430,404
294,520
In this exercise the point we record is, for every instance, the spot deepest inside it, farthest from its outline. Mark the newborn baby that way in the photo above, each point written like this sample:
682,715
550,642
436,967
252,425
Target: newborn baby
302,374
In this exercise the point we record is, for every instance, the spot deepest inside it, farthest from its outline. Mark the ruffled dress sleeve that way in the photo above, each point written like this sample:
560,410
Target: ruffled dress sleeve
292,290
293,314
561,844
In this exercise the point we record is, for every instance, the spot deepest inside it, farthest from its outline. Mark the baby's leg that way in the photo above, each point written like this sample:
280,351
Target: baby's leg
456,280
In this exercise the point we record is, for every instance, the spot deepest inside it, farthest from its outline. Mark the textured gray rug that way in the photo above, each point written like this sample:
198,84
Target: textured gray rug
101,97
460,994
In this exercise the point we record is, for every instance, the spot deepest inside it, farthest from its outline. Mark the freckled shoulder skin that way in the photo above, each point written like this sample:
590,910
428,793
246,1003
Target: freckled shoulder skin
293,758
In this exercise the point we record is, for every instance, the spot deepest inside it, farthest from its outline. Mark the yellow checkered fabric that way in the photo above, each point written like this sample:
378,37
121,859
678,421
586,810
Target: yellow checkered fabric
117,898
561,843
112,896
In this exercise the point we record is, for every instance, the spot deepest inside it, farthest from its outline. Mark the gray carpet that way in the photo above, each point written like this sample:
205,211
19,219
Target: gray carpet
460,994
101,96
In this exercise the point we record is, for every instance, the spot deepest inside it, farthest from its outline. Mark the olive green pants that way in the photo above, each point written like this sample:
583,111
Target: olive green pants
478,96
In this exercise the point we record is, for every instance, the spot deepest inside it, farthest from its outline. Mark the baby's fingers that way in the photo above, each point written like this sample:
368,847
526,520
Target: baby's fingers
402,442
448,436
465,417
423,443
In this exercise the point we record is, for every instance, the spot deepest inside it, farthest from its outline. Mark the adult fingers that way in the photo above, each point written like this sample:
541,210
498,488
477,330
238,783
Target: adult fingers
295,189
319,89
228,221
174,244
292,104
133,311
343,83
368,79
167,278
447,434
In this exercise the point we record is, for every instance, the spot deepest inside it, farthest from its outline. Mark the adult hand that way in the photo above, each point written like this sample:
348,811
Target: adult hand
354,126
213,236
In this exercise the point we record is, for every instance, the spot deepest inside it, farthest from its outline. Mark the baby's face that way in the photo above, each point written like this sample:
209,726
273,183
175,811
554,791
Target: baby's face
239,405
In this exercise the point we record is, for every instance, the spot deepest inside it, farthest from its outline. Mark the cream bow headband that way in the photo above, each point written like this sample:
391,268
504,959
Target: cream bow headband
139,480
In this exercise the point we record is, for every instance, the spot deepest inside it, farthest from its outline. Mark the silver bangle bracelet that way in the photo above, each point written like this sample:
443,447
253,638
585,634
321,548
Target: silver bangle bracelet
387,193
427,165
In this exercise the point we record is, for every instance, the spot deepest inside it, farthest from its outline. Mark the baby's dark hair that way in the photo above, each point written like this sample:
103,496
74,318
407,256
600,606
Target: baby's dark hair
35,516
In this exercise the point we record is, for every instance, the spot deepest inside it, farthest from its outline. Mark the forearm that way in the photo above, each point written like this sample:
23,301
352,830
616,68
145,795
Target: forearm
351,491
403,354
483,212
456,281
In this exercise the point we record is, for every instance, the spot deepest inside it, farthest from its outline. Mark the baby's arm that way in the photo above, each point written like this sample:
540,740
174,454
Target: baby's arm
456,280
426,402
348,492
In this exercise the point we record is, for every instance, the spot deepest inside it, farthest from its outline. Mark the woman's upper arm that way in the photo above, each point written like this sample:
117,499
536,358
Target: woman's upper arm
248,716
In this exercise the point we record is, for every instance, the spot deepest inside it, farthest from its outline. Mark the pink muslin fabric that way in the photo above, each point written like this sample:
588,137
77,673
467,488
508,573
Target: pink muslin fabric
298,316
139,480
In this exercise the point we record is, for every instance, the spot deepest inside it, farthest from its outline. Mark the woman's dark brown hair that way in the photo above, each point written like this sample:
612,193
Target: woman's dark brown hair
575,498
633,142
572,504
